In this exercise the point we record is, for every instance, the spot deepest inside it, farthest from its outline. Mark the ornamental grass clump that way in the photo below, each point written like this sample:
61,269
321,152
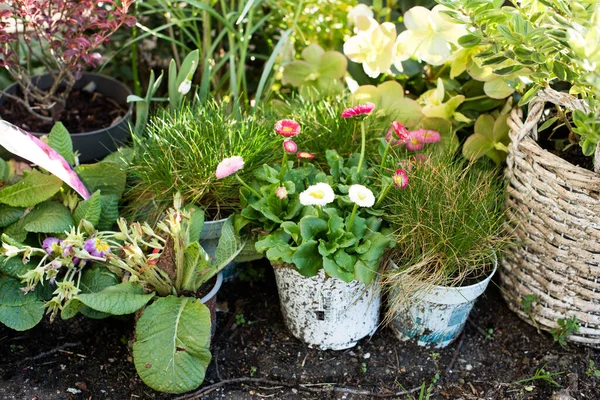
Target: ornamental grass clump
448,225
180,151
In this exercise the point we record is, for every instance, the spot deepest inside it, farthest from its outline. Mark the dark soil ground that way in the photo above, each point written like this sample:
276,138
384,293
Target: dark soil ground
90,359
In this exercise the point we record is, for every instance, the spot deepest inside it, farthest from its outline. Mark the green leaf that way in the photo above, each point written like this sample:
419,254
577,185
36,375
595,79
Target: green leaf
107,177
17,231
93,280
60,140
368,262
18,311
4,170
196,224
476,146
172,347
312,54
468,41
307,259
124,298
333,65
71,309
296,73
14,266
497,89
406,111
109,212
336,271
9,215
197,268
547,124
311,226
530,94
49,217
229,245
89,209
33,189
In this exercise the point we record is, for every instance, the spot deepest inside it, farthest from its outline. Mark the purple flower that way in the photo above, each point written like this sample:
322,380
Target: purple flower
96,247
51,245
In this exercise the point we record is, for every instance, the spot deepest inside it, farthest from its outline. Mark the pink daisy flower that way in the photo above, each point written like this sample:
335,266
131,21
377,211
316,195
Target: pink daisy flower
427,136
361,109
290,146
287,127
305,155
229,166
414,143
397,131
400,178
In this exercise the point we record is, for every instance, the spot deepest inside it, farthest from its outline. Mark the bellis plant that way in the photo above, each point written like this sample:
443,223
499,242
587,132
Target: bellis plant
309,219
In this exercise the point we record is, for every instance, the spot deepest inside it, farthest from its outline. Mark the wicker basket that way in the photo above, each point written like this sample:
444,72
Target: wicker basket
554,207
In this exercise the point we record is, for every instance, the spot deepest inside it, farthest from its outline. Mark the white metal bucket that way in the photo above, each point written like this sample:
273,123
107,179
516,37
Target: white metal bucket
438,317
327,312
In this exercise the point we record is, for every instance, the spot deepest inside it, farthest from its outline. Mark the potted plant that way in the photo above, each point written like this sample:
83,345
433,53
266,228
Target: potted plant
551,198
35,203
162,274
448,227
63,38
323,234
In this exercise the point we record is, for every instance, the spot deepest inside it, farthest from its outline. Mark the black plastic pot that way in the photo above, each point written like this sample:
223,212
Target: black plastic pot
93,145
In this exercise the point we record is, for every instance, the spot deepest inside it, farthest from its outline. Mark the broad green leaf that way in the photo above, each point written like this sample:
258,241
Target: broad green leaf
109,212
121,157
307,259
107,177
476,146
501,129
172,347
4,170
89,209
311,226
9,215
312,54
71,309
48,217
497,89
468,41
14,266
196,267
60,140
296,73
195,224
407,111
366,93
336,271
17,231
484,125
124,298
33,189
392,94
333,65
368,262
18,311
93,280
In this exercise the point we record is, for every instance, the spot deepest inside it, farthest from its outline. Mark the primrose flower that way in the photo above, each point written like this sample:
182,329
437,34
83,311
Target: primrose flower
400,178
287,127
429,36
319,194
229,166
305,155
360,10
397,130
281,192
361,109
361,196
185,87
372,46
290,146
96,247
51,245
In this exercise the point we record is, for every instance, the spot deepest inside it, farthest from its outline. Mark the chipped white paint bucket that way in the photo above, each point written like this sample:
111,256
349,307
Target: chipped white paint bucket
327,312
436,318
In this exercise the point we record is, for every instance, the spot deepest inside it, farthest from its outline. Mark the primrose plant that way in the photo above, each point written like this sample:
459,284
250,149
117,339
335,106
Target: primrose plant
312,221
154,272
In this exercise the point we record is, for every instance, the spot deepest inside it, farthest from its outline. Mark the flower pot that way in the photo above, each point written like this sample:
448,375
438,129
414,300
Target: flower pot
209,239
210,301
437,317
327,312
93,145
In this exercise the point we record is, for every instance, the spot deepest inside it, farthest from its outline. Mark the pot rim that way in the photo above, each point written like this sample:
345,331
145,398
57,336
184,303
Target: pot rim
127,115
214,290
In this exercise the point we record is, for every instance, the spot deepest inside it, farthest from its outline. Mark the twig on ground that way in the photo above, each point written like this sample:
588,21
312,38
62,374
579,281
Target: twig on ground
456,353
300,386
50,352
479,329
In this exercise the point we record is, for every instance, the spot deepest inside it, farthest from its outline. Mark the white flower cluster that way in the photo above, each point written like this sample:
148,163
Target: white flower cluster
429,36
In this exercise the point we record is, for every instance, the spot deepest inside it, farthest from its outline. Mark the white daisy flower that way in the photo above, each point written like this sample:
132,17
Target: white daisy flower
361,195
319,194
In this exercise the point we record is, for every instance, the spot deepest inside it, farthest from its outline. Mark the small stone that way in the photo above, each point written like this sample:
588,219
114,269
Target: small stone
294,390
468,367
367,356
403,370
112,360
73,390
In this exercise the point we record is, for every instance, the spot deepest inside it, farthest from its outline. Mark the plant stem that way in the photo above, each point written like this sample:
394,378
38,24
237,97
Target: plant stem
283,166
244,184
483,96
352,216
385,153
383,193
363,145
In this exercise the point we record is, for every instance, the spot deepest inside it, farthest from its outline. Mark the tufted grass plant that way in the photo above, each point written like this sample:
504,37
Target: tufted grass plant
449,226
179,152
